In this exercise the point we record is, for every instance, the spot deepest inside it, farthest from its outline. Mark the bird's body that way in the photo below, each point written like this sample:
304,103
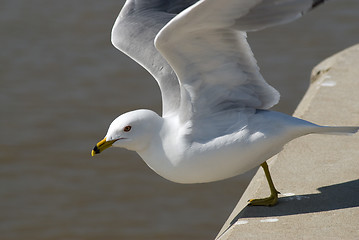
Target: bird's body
243,141
224,146
215,122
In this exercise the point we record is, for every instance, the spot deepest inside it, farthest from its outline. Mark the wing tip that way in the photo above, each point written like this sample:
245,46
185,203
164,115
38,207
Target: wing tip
317,3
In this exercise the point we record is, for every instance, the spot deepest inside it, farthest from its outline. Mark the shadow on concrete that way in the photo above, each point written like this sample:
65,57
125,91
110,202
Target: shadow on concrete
333,197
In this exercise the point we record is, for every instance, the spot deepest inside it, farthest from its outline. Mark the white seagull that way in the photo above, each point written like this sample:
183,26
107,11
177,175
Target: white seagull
215,122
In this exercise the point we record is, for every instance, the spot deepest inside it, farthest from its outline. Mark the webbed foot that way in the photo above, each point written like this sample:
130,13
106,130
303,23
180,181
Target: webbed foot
269,201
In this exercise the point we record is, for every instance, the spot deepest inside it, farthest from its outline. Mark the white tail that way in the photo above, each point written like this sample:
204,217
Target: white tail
337,130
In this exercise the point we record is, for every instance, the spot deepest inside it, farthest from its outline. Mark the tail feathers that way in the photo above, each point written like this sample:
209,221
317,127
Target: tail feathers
337,130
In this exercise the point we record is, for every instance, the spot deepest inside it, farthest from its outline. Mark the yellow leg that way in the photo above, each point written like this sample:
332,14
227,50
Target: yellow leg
273,198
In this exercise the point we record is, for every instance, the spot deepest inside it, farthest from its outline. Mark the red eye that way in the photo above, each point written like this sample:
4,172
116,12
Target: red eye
127,128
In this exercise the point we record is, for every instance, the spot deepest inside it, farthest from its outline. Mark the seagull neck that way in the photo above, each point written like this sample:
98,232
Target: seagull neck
154,154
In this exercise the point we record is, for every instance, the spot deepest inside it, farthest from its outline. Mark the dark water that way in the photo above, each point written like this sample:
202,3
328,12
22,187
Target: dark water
62,83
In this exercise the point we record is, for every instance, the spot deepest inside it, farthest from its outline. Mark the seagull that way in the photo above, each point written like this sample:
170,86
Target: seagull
215,121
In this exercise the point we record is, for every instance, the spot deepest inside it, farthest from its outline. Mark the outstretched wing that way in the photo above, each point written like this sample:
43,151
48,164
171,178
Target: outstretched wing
134,32
206,46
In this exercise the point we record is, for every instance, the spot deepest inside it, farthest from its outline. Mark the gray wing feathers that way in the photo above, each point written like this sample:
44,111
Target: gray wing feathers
218,39
206,46
133,33
269,13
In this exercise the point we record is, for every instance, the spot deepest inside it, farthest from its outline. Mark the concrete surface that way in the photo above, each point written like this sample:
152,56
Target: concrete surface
318,175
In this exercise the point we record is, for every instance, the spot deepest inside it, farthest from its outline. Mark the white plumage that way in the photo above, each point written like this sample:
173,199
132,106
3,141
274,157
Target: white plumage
215,123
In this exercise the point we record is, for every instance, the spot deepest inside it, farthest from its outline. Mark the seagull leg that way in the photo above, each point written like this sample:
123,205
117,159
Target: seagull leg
273,198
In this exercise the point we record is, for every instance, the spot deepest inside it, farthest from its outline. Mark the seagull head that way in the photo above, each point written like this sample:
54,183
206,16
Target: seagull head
132,130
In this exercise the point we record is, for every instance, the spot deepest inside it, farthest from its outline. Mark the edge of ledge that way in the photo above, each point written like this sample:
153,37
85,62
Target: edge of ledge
331,81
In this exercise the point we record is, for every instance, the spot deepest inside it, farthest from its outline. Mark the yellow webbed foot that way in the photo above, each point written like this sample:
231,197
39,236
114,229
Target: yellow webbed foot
269,201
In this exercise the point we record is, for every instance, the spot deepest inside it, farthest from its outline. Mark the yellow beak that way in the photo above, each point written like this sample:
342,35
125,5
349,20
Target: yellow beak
102,145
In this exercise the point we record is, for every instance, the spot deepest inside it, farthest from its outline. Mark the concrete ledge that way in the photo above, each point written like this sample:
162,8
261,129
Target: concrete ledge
318,175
